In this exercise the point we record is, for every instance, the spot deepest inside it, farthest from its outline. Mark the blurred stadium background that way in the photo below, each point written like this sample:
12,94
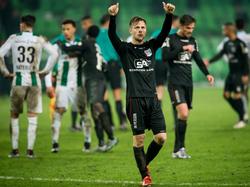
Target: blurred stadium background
210,16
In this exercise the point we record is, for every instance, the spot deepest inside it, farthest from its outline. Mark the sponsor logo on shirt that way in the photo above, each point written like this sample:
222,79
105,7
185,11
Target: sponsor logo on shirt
142,65
185,56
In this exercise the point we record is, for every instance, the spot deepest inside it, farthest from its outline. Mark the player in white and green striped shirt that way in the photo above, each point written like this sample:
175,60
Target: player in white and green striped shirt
26,49
69,87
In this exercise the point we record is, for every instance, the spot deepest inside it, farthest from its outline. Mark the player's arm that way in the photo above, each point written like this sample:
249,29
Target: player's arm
244,61
53,55
115,40
3,69
166,27
48,84
197,57
216,57
4,50
202,67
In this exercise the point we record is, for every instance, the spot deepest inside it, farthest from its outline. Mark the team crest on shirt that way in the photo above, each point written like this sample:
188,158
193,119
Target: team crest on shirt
148,52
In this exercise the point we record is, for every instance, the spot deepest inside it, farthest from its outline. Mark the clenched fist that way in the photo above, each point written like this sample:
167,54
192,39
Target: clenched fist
113,9
169,8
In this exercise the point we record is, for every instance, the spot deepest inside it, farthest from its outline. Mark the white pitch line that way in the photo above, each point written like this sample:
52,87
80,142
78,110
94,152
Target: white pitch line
116,181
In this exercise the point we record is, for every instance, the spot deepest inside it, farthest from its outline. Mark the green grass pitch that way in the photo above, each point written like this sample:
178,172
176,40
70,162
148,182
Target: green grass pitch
220,154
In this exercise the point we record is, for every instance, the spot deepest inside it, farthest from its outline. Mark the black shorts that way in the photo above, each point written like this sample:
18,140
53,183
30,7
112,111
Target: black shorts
95,89
113,75
145,113
234,84
181,94
161,73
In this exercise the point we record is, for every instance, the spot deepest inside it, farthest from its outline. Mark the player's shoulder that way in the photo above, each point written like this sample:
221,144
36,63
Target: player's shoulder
227,42
86,42
41,39
59,38
173,35
13,36
241,42
192,38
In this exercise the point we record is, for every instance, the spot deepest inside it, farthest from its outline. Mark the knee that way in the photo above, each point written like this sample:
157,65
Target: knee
96,109
14,115
226,95
61,110
138,140
237,96
160,138
183,115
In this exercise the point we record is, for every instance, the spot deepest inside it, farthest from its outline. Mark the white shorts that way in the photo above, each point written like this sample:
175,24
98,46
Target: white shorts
65,96
32,94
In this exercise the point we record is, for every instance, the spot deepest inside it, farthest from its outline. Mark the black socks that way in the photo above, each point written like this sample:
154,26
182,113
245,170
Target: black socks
140,159
238,106
180,131
104,120
107,109
73,118
153,150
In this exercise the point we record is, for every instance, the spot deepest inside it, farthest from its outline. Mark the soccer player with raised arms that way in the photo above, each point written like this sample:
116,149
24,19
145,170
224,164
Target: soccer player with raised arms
142,105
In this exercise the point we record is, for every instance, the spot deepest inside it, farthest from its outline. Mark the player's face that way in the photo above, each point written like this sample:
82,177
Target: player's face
228,30
138,31
22,27
68,31
187,30
86,24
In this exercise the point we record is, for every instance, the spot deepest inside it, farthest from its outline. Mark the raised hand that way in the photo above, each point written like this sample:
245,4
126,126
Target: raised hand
169,8
113,9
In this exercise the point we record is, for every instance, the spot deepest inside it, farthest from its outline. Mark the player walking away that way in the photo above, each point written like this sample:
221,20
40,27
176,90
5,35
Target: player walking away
143,107
26,49
242,35
236,52
69,87
95,85
178,50
161,69
113,74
